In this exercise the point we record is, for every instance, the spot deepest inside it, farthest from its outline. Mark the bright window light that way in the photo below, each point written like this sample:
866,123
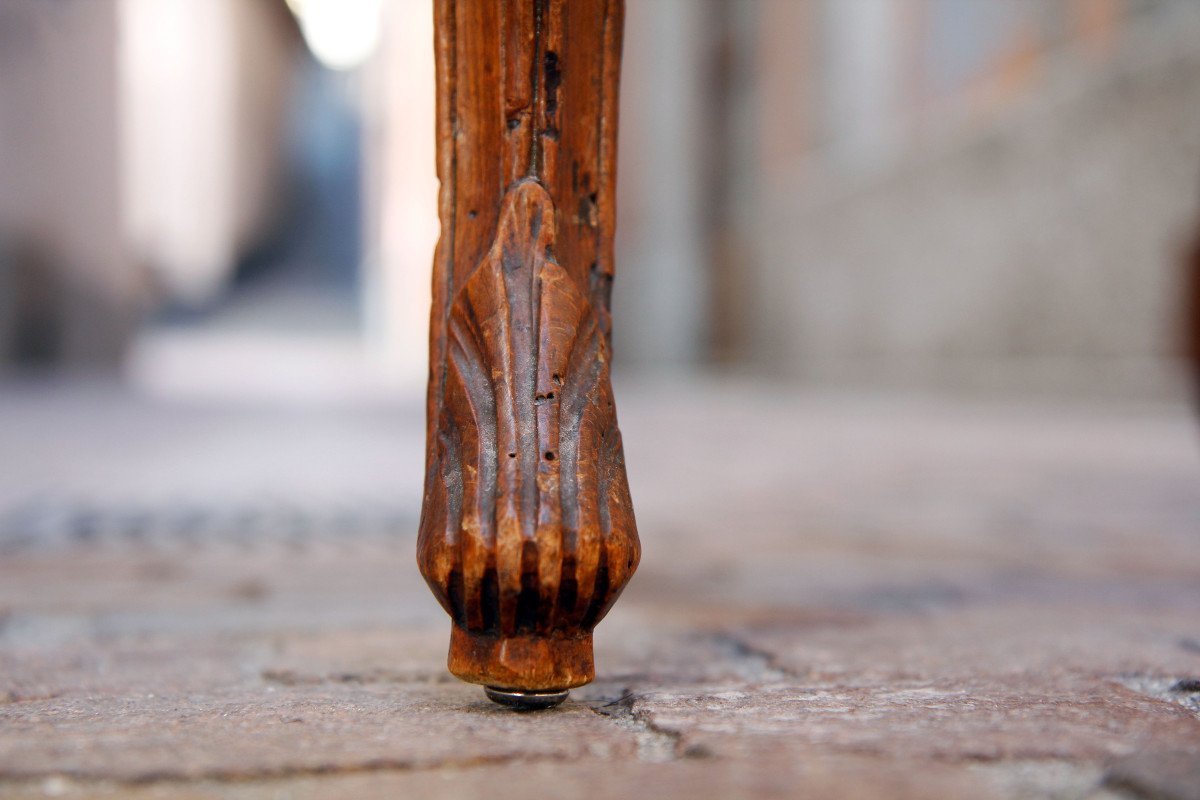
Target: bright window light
342,34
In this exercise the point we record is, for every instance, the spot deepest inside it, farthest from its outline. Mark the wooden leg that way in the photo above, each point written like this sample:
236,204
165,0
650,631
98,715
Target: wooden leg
527,533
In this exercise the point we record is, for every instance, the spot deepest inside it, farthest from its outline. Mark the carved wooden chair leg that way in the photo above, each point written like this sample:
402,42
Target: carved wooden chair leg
527,534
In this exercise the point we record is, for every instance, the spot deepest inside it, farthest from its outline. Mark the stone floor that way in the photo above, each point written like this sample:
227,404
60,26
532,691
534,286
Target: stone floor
840,597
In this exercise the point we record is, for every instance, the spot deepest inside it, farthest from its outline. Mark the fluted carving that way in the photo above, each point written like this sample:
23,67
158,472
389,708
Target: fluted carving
527,533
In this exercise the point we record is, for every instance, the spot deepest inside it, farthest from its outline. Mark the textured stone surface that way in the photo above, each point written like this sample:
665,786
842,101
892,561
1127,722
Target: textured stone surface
840,597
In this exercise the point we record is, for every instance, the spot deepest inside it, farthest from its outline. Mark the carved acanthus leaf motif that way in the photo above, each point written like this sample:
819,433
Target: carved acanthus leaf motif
528,526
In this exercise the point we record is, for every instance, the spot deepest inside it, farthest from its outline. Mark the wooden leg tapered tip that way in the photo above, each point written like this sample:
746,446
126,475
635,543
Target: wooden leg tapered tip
527,534
523,662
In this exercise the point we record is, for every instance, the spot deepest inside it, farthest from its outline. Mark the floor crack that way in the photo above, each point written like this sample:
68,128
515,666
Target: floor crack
655,744
1183,691
754,663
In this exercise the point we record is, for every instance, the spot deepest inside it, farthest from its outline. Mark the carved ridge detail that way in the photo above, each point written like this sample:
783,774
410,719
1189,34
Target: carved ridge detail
527,528
526,533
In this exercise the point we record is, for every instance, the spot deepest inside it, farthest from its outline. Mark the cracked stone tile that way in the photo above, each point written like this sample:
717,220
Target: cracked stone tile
1047,640
986,720
269,731
821,778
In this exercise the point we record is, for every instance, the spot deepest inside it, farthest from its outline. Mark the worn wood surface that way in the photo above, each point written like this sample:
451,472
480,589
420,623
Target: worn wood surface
527,533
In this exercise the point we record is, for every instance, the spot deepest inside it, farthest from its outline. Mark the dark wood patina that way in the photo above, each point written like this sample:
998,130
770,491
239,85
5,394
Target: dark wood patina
527,533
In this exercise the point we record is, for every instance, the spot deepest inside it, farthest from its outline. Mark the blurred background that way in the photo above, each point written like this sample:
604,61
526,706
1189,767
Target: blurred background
236,197
230,204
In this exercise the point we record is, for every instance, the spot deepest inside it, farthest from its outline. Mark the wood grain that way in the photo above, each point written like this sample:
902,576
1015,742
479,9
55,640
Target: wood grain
527,533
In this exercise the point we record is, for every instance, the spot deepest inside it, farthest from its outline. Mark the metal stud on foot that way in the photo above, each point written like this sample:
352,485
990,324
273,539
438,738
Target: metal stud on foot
525,701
